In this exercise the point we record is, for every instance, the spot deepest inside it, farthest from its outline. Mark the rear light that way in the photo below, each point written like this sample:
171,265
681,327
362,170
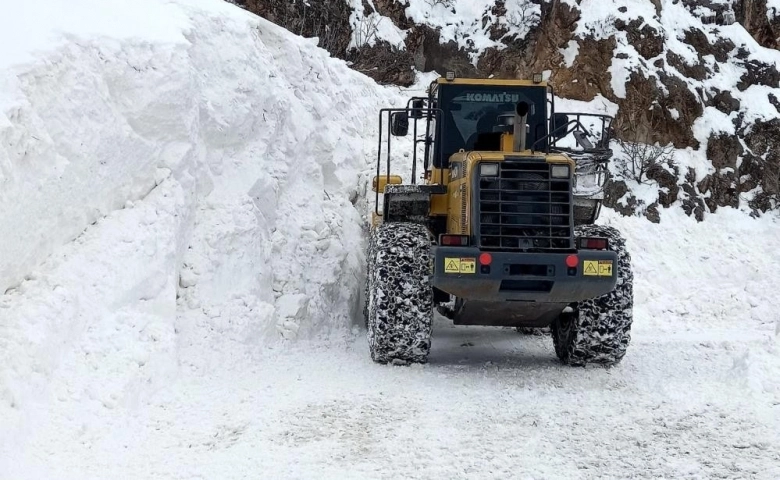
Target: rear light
454,240
592,243
485,259
572,261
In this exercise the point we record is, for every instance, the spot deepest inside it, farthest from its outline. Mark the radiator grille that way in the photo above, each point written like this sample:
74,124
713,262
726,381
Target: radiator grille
524,208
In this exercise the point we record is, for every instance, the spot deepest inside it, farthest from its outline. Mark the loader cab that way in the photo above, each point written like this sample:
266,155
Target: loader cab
471,112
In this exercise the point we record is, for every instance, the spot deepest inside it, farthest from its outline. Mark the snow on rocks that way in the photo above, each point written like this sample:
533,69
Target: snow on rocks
722,56
465,22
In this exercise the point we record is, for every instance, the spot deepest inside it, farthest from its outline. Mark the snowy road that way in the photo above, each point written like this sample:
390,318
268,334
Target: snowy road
491,404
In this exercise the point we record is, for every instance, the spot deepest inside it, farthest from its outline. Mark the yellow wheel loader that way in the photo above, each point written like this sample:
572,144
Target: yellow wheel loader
496,223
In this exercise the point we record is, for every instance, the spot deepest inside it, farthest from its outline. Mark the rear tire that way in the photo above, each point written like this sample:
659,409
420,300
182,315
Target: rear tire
598,330
399,309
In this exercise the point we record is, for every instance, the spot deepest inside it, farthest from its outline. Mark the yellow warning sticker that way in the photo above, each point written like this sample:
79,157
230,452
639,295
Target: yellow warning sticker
451,265
605,268
468,265
590,268
597,268
460,265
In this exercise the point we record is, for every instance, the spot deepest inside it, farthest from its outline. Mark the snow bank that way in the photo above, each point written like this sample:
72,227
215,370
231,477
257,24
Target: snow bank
707,275
199,168
81,132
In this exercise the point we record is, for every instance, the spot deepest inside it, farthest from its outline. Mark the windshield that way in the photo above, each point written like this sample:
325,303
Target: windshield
469,110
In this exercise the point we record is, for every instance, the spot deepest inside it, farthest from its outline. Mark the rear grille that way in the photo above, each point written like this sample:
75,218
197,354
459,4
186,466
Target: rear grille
524,209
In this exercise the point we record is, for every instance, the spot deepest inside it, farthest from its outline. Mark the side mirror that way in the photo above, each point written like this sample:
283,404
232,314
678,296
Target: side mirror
417,108
399,124
559,122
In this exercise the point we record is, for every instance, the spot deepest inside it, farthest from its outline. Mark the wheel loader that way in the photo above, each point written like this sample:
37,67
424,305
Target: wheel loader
495,224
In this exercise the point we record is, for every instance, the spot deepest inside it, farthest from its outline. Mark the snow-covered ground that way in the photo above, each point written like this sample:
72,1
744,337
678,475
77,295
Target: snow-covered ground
181,214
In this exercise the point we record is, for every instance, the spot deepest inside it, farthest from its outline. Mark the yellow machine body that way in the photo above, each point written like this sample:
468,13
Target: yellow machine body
463,167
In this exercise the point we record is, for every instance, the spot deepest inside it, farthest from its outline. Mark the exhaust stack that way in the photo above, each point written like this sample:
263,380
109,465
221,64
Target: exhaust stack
521,122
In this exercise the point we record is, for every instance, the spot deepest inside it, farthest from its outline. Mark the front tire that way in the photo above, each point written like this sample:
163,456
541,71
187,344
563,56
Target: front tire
399,310
598,331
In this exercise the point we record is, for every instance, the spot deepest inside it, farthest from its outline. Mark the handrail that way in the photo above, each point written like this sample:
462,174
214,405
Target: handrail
427,112
606,122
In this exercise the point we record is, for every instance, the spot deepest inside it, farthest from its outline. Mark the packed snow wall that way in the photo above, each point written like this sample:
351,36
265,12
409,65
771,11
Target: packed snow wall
206,163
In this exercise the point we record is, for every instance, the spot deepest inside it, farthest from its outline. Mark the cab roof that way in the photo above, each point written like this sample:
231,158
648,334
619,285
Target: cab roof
504,82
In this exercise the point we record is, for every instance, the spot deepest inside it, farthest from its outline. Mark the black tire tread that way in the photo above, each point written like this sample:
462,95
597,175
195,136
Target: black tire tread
599,331
399,301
